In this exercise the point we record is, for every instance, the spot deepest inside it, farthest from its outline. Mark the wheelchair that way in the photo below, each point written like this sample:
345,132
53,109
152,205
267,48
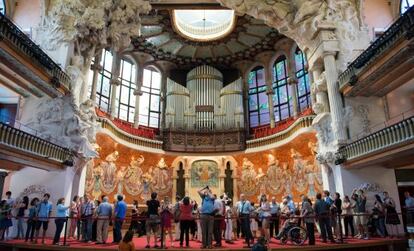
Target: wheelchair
294,233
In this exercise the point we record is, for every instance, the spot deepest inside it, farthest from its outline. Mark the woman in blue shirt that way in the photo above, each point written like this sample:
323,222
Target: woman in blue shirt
61,217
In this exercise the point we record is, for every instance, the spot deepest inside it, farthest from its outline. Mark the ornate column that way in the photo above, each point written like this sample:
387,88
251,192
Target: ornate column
335,99
96,69
293,85
270,93
115,82
139,76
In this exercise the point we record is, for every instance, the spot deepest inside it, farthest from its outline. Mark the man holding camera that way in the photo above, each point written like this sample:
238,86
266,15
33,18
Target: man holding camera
207,216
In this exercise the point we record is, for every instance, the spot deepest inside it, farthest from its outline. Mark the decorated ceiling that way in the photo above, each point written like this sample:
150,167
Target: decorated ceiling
160,38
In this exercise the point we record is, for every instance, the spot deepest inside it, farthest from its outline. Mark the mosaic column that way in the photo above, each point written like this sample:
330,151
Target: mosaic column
138,93
96,68
115,83
270,93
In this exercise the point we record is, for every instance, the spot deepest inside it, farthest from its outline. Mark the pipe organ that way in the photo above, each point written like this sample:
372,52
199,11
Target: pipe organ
204,105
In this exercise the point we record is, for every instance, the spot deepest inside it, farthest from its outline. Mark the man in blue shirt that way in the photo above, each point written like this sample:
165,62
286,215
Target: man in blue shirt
409,205
120,212
244,208
321,209
43,214
207,216
104,213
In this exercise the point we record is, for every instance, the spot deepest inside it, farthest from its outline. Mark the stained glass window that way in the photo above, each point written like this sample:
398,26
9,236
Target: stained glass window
405,5
258,103
282,101
149,102
303,86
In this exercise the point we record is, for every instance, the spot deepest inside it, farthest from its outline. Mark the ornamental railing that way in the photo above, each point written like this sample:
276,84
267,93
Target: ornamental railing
12,34
401,28
392,136
136,140
29,143
303,122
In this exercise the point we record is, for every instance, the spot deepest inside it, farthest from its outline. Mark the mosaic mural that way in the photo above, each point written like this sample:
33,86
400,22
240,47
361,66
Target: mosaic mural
204,173
288,169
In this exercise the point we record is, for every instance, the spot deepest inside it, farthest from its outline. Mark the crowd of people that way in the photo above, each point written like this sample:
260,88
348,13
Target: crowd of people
217,219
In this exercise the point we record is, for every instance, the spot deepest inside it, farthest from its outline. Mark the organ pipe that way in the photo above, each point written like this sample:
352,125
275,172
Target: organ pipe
204,105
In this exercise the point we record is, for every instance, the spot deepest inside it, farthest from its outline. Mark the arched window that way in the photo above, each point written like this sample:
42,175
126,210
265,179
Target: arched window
103,90
282,102
149,102
303,86
126,97
258,103
405,5
2,7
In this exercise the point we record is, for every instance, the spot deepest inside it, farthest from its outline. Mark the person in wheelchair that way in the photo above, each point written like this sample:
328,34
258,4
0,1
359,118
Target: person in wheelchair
288,221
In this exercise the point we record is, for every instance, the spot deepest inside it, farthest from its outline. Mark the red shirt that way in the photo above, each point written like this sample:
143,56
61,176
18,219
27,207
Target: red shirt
186,212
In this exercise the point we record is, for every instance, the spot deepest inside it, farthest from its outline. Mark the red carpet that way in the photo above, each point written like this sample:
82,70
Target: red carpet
194,245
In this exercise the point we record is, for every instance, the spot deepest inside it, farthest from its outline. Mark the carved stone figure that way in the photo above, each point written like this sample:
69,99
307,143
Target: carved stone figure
58,120
146,182
120,177
299,167
97,177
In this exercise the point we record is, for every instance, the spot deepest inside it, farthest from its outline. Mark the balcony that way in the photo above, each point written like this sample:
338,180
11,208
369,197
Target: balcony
386,64
20,54
19,149
392,146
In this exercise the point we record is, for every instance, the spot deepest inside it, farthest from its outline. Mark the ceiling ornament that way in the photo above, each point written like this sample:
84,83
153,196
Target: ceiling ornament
300,20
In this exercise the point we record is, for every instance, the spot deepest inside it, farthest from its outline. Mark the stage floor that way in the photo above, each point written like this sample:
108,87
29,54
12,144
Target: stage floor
350,244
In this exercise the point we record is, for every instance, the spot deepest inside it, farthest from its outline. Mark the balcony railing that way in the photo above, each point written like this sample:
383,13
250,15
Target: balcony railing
26,142
12,34
402,132
303,122
402,27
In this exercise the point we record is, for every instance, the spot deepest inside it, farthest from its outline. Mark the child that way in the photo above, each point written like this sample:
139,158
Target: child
127,244
31,221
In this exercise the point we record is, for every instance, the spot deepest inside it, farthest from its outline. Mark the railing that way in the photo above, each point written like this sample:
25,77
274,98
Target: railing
12,34
21,140
303,122
402,132
136,140
263,131
404,26
141,131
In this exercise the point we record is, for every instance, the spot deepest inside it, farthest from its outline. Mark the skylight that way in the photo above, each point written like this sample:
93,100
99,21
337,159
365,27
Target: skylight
203,25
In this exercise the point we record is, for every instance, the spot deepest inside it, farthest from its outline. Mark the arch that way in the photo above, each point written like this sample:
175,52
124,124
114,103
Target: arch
251,67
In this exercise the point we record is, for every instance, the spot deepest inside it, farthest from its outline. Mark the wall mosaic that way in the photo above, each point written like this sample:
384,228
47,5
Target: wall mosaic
288,169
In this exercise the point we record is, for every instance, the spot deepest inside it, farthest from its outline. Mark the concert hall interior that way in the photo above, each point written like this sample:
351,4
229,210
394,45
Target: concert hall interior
279,122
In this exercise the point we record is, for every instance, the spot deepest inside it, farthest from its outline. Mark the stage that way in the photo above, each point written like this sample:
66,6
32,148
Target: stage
375,244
